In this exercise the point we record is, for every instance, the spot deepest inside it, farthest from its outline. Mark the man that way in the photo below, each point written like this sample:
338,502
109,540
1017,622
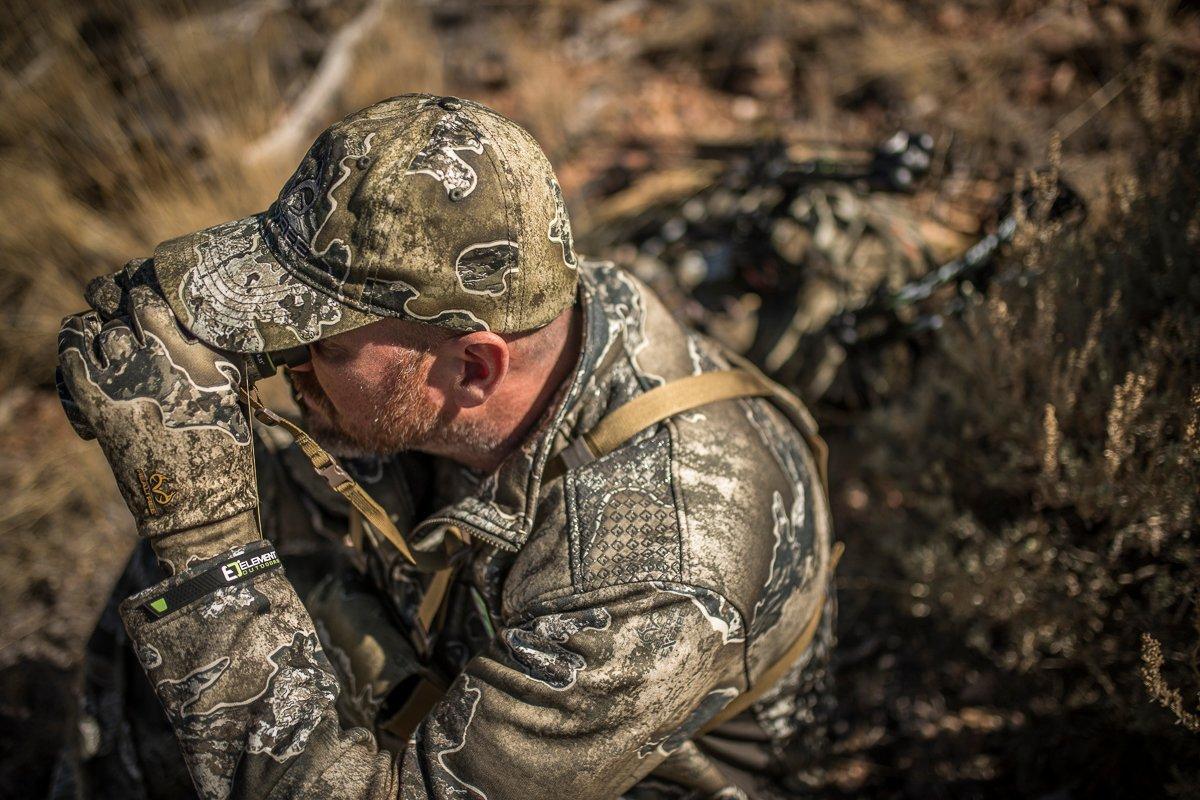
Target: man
570,581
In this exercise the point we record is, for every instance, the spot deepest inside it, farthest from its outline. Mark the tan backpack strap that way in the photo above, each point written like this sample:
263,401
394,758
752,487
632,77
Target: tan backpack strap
651,408
424,697
780,668
685,394
340,481
796,412
364,507
435,596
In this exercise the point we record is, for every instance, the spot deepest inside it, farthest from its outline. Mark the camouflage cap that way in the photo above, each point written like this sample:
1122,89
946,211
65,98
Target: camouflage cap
426,208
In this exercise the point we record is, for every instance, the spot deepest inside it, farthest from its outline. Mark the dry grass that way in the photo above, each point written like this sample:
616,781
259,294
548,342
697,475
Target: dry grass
1035,490
1019,515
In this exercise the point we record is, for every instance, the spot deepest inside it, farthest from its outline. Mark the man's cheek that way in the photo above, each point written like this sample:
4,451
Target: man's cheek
348,398
313,401
329,383
341,395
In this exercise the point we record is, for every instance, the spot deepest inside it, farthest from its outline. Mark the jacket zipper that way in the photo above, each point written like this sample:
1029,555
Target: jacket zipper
474,530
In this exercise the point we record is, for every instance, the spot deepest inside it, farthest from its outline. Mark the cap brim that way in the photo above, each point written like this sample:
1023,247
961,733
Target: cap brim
227,287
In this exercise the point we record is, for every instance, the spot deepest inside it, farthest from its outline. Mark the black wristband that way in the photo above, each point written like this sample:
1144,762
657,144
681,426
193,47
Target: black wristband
256,560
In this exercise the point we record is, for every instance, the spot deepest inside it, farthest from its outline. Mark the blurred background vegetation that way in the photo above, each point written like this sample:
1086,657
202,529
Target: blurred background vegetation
1016,482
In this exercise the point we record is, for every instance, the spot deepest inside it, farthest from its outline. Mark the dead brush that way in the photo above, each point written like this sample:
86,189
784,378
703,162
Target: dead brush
1046,467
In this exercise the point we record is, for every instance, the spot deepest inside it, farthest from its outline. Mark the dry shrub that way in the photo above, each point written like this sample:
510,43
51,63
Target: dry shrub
1038,492
112,154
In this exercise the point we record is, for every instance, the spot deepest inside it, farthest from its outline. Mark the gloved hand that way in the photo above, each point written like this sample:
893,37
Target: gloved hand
166,411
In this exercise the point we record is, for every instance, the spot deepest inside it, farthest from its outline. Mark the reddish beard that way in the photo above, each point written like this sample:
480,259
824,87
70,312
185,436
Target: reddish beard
404,418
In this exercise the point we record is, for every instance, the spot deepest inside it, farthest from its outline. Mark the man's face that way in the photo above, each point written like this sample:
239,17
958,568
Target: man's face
366,392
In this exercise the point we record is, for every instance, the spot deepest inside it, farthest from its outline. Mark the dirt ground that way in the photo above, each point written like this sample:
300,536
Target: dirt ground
969,669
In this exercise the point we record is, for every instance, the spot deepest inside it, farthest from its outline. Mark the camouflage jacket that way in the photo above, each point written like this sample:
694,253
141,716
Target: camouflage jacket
598,622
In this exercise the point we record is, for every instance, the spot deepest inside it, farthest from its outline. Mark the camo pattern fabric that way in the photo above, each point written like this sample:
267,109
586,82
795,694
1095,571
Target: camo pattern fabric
598,624
440,158
165,411
426,208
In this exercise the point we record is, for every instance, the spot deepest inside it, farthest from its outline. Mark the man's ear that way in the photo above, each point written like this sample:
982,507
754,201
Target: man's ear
482,360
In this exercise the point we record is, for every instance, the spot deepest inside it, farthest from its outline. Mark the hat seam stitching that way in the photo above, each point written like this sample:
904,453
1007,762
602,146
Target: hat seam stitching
518,278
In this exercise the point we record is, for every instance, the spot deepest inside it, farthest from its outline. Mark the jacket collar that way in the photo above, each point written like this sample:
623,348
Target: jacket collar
501,507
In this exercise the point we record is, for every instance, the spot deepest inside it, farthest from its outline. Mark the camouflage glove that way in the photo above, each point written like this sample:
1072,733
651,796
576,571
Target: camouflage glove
166,412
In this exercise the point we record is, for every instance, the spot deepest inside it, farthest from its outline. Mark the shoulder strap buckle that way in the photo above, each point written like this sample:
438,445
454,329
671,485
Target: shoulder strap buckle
334,475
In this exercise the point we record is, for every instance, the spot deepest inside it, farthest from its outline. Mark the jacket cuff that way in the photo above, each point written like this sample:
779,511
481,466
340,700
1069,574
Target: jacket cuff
234,660
212,580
